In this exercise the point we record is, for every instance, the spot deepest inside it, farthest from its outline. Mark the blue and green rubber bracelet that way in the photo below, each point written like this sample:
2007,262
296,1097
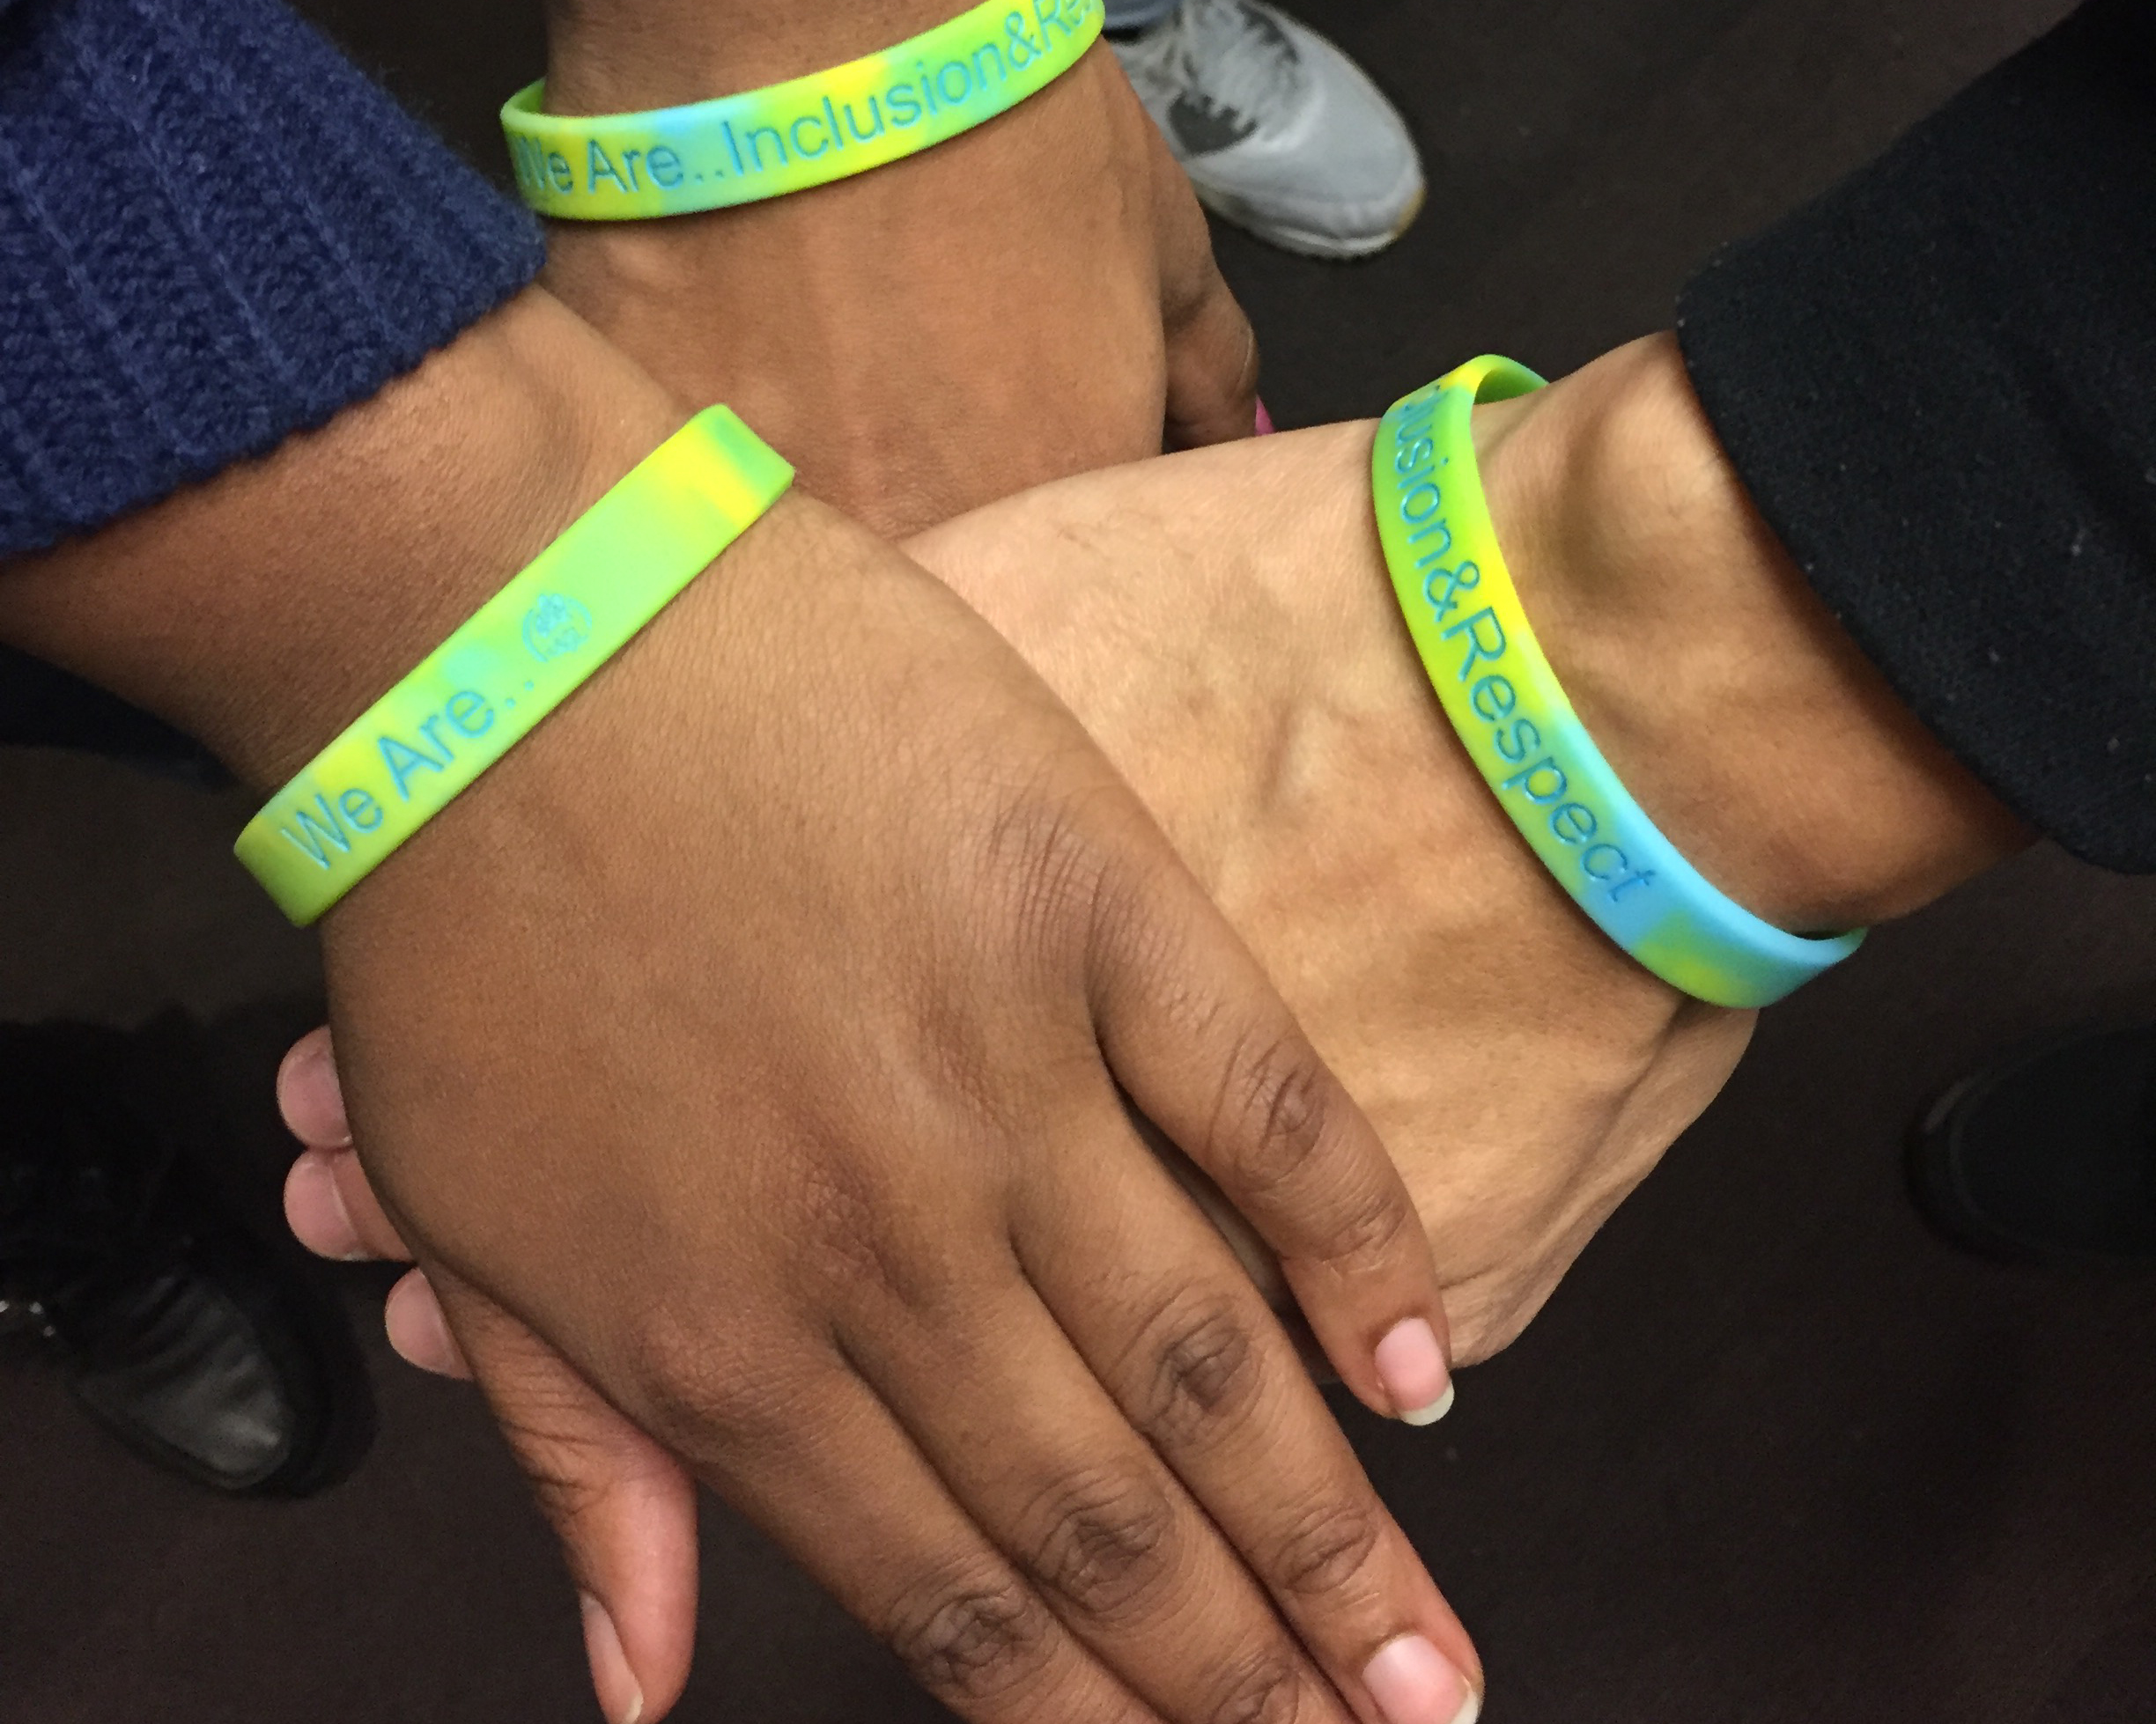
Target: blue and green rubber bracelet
1512,715
806,131
515,659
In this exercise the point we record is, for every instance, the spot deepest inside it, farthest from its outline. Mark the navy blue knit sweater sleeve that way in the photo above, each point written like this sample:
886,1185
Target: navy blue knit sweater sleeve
1938,383
214,232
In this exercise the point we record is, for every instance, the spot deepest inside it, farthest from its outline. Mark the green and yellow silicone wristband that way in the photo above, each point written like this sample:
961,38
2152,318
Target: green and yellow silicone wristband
1521,732
808,131
522,654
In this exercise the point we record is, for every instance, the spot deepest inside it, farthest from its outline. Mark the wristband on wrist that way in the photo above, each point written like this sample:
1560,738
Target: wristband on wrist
521,654
1519,729
806,131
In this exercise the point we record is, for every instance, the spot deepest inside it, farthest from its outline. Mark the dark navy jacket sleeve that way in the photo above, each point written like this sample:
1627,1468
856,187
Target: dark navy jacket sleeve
214,232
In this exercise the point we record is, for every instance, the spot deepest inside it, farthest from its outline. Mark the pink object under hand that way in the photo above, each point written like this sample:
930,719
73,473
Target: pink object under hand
1265,421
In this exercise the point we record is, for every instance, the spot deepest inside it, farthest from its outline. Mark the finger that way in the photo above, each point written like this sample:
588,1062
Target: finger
1211,349
331,1209
315,1210
1197,1363
418,1332
824,1469
329,1204
1085,1507
623,1508
1212,1055
309,1097
1211,365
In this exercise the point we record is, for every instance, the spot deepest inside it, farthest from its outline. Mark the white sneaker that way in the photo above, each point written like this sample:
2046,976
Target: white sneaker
1280,131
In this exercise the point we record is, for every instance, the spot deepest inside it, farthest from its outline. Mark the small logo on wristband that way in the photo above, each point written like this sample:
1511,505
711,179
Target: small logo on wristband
554,626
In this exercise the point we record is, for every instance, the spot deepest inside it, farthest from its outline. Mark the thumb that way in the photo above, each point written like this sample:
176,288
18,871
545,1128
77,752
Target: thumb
623,1508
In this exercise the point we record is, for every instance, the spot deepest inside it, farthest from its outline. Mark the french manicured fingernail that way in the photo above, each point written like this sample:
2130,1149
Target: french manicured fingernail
1413,1682
1265,421
1412,1367
619,1696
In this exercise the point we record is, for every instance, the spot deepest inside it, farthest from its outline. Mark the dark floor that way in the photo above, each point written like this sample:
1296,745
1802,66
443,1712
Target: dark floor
1771,1455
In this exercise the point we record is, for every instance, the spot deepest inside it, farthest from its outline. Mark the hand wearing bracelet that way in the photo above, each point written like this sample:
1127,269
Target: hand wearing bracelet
1224,623
787,137
1768,747
1511,715
753,1086
524,651
1035,297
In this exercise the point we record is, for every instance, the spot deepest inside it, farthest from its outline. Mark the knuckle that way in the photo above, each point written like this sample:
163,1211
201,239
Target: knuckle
971,1638
1041,855
1264,1689
703,1397
1205,1368
841,1214
1371,1225
677,1365
1275,1113
1325,1549
567,1494
1109,1541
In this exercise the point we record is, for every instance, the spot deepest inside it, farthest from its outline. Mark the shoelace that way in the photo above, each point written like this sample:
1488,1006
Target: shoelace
1234,60
1217,56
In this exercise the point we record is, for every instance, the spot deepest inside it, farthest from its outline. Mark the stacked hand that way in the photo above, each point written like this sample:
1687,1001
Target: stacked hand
792,1065
750,1056
1222,624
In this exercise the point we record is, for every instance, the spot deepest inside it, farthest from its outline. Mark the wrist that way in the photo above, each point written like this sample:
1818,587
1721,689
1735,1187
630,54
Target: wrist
265,610
1735,708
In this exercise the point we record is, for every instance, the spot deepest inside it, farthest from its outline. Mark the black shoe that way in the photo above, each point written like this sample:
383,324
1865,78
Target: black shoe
177,1331
2050,1157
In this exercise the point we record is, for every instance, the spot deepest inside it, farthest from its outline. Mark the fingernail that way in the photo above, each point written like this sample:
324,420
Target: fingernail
418,1332
1413,1682
1264,421
312,1196
1412,1367
619,1696
310,1096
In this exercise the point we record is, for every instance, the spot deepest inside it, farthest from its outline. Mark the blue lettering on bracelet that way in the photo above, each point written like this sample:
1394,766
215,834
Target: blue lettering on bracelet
362,810
315,837
1479,636
777,139
554,625
403,760
468,711
334,820
600,166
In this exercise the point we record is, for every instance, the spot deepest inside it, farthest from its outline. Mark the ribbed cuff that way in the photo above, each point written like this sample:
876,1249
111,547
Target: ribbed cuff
214,232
